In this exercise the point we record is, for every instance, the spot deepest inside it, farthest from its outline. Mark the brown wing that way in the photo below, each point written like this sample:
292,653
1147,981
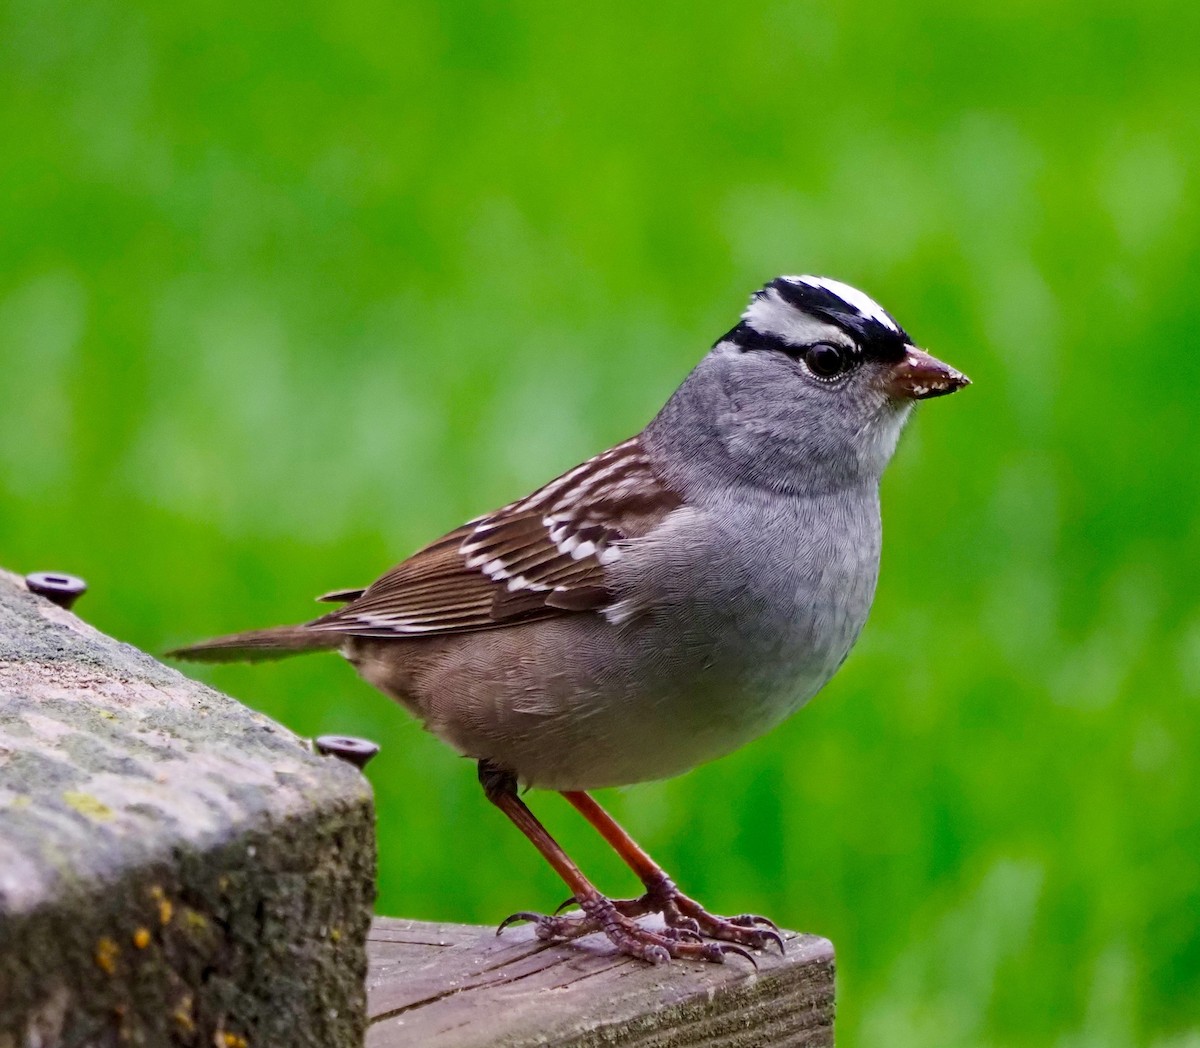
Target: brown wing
544,555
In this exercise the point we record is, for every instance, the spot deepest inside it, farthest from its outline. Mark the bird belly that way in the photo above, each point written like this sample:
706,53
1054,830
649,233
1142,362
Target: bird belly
718,696
553,703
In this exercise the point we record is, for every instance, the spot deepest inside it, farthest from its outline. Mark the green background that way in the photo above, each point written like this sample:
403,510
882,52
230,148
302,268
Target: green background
288,290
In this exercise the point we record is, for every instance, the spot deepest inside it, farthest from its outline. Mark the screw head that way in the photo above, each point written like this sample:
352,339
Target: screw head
345,747
63,590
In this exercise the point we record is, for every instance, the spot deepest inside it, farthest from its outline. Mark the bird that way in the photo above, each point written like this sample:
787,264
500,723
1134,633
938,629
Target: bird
659,605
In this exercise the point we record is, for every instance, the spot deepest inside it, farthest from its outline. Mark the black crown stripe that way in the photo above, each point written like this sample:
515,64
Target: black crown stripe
877,340
746,337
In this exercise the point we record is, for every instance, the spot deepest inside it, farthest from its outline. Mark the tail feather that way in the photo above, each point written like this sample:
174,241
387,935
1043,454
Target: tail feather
259,645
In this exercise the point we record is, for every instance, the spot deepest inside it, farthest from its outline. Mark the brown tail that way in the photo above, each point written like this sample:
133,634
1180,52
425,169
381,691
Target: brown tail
259,645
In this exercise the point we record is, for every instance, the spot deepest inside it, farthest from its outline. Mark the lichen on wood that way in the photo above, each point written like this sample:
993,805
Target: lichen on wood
174,868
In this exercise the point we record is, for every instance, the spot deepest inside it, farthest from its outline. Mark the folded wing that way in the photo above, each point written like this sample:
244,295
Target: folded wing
547,554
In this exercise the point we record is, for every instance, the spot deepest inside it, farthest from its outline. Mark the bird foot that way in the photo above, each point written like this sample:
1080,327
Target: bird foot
658,947
685,914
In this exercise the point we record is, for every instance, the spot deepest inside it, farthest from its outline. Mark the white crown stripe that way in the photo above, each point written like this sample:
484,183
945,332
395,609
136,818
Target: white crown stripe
861,303
770,314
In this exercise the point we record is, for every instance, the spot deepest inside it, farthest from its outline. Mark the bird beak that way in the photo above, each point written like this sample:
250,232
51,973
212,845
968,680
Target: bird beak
918,376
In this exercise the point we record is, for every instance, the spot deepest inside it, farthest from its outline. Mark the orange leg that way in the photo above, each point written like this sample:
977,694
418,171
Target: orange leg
600,914
678,910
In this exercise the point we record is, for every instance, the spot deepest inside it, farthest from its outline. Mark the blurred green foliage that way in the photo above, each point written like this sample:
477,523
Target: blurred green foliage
286,290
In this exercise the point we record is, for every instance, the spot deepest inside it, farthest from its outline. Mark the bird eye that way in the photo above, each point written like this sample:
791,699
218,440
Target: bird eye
825,360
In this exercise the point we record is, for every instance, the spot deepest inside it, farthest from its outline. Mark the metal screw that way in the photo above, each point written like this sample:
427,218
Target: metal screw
346,747
63,590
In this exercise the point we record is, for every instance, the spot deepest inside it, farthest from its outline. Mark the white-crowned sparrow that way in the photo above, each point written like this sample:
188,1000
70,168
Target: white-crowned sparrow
660,604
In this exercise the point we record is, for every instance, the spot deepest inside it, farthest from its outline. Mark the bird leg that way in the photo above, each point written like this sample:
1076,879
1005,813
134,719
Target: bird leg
678,910
600,914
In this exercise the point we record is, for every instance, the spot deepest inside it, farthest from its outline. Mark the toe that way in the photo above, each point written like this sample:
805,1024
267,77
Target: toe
749,920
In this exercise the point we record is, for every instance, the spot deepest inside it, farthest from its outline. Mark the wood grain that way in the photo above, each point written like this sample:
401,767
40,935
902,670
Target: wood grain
462,986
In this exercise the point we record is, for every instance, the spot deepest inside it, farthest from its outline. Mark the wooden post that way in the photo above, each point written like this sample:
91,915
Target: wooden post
174,868
178,870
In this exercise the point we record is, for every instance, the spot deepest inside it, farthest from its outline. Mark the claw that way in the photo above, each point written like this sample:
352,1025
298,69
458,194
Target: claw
681,939
688,926
777,939
569,901
726,947
515,918
679,911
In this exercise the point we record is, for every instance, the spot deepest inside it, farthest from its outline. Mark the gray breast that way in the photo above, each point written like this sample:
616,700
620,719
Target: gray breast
725,636
789,588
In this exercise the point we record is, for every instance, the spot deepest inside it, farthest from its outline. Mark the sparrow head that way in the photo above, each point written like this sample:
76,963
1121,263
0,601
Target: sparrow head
838,338
815,384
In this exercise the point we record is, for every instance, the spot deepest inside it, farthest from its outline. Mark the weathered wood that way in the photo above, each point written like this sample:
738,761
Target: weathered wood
174,869
461,986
